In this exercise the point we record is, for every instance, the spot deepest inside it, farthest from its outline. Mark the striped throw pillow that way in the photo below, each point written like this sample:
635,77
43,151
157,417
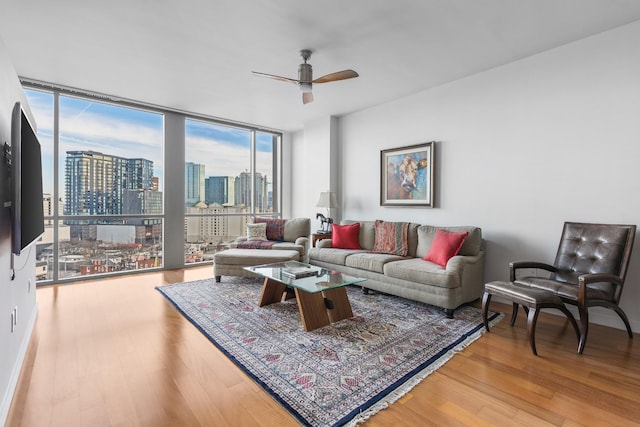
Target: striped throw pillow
391,238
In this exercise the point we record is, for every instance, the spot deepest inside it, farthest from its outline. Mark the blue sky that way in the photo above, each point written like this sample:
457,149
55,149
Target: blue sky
131,133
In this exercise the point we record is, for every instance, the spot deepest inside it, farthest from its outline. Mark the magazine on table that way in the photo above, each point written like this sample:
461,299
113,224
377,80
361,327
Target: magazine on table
298,272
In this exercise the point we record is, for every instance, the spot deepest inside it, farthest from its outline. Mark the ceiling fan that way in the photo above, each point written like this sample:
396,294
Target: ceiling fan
305,77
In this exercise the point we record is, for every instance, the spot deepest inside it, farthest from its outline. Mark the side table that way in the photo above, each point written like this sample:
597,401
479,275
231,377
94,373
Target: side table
319,236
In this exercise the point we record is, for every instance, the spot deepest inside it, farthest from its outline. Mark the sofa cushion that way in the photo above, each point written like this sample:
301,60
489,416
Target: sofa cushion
291,246
275,227
445,245
246,257
296,227
332,255
370,261
471,245
367,233
391,238
256,232
345,236
423,272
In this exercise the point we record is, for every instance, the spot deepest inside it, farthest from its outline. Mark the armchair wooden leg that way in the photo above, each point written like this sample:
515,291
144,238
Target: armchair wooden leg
514,313
584,327
486,299
532,318
571,319
624,318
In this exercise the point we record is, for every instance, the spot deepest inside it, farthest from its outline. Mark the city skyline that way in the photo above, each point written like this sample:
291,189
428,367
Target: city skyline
97,182
127,132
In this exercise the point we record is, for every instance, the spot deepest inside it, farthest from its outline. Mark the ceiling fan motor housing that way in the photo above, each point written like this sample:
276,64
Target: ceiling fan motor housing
305,77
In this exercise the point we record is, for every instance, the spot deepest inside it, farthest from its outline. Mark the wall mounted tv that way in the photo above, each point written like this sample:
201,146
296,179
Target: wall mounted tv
27,216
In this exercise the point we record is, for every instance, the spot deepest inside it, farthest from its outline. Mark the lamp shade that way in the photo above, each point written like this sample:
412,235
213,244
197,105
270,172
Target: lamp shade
327,199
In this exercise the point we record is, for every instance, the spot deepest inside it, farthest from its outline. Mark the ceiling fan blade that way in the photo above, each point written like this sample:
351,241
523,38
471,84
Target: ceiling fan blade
307,97
339,75
271,76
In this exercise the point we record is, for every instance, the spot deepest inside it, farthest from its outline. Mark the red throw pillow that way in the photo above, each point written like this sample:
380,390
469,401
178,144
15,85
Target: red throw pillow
345,236
446,245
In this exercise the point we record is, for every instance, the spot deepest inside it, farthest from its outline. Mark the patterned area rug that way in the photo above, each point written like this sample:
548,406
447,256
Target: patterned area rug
336,375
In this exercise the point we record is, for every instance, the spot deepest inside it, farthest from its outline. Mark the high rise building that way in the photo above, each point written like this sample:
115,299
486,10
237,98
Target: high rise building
216,190
48,210
95,183
142,201
193,183
139,174
242,186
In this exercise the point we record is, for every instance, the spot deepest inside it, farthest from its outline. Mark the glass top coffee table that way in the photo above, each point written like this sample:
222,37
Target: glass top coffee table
320,293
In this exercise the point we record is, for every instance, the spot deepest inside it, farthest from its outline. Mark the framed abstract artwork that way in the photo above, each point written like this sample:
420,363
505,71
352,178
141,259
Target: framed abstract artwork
407,175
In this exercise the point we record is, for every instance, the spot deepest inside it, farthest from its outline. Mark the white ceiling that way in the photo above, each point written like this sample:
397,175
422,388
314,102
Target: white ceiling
197,55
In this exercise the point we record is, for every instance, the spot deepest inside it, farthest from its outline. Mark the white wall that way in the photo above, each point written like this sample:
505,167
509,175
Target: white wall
286,175
521,148
19,292
314,160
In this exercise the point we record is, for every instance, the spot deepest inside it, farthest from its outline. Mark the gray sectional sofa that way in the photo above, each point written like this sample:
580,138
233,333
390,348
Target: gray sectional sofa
410,276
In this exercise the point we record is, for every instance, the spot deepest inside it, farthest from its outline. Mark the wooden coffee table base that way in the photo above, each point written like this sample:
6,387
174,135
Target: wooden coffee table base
316,310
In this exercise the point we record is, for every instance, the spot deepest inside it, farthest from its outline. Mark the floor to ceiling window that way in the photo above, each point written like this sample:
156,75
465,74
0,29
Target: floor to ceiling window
231,174
103,176
103,186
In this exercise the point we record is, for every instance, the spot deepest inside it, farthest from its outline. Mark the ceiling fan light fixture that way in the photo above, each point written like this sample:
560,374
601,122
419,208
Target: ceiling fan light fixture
305,87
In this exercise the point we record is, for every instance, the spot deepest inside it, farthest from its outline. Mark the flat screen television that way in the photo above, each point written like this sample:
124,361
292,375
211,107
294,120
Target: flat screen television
27,216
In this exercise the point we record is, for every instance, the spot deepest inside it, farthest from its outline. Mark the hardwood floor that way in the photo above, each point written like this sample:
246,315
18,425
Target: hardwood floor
114,352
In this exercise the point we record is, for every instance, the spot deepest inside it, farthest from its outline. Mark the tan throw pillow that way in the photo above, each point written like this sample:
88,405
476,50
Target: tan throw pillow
257,231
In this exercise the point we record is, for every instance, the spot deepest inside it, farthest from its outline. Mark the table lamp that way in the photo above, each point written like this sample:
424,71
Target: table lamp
327,200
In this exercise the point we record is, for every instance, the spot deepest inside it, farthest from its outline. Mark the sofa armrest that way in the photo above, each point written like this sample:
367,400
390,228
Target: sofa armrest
303,241
324,243
470,268
459,262
237,241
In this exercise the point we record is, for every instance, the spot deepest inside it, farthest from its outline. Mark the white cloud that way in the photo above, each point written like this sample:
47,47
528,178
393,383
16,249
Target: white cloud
86,130
220,158
111,136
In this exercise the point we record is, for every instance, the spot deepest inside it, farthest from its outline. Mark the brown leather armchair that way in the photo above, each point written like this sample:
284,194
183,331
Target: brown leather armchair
589,269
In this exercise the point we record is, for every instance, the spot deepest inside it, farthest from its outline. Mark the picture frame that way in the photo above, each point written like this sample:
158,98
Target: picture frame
407,175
